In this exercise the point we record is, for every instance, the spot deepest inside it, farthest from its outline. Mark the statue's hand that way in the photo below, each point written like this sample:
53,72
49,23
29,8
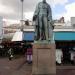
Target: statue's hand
53,26
34,17
51,23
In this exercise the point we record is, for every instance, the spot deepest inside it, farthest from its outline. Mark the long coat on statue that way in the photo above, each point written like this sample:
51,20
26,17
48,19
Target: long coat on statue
43,22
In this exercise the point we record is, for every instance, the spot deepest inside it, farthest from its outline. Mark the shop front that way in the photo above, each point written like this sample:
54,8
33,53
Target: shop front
65,41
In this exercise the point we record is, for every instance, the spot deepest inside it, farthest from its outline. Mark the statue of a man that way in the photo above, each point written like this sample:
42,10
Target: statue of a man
43,21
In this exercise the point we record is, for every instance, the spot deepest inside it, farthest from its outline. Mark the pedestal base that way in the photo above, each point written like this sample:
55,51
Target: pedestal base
44,59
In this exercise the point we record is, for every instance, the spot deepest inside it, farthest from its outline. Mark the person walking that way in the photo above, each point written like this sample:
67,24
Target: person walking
29,54
10,54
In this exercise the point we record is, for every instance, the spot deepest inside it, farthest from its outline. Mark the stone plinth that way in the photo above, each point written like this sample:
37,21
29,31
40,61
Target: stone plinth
43,59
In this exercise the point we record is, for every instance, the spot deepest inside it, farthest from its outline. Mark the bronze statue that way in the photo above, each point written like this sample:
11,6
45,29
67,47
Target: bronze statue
43,21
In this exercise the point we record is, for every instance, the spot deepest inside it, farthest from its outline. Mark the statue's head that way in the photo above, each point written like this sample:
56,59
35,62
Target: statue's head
44,1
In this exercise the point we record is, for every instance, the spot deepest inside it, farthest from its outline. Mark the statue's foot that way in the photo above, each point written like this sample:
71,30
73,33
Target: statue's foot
40,39
49,39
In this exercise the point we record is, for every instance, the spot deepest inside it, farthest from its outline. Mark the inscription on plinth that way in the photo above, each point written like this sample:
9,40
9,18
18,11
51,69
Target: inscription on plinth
44,59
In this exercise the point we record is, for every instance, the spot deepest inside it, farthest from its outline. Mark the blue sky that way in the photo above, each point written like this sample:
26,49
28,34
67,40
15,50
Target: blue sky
57,10
71,1
60,9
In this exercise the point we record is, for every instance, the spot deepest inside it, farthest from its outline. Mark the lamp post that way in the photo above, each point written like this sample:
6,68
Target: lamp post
22,15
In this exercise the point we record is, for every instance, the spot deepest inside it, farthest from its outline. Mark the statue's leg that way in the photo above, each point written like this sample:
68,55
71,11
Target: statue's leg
36,32
50,31
40,27
51,36
46,28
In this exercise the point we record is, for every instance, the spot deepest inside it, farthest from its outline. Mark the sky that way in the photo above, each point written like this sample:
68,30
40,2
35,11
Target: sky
10,10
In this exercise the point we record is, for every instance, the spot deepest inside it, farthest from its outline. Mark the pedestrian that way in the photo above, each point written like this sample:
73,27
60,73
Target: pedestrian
10,54
59,56
29,54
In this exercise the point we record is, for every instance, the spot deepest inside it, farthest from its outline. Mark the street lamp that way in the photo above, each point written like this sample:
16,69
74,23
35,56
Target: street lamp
22,15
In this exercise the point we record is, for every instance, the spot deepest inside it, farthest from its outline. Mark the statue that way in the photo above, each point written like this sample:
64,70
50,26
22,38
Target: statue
43,21
44,45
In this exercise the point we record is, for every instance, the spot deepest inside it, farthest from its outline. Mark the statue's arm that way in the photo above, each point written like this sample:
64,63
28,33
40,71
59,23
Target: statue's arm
49,14
36,13
50,17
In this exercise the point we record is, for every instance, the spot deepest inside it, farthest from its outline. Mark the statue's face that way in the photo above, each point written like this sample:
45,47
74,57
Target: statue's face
44,1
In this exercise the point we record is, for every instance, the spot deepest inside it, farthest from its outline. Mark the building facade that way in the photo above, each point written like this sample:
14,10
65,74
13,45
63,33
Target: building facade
64,36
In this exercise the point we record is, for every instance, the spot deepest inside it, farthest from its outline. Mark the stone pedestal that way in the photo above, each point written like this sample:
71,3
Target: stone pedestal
44,59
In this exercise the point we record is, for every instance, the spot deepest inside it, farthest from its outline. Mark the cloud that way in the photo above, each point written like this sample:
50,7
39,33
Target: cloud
60,2
70,12
8,11
28,15
11,9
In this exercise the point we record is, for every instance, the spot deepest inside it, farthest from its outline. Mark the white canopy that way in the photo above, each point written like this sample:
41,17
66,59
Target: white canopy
18,36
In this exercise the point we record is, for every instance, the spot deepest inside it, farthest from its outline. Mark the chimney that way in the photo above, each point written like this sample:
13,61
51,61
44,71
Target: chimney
62,19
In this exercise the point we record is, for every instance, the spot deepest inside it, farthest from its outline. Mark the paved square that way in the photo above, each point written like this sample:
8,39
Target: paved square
20,67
